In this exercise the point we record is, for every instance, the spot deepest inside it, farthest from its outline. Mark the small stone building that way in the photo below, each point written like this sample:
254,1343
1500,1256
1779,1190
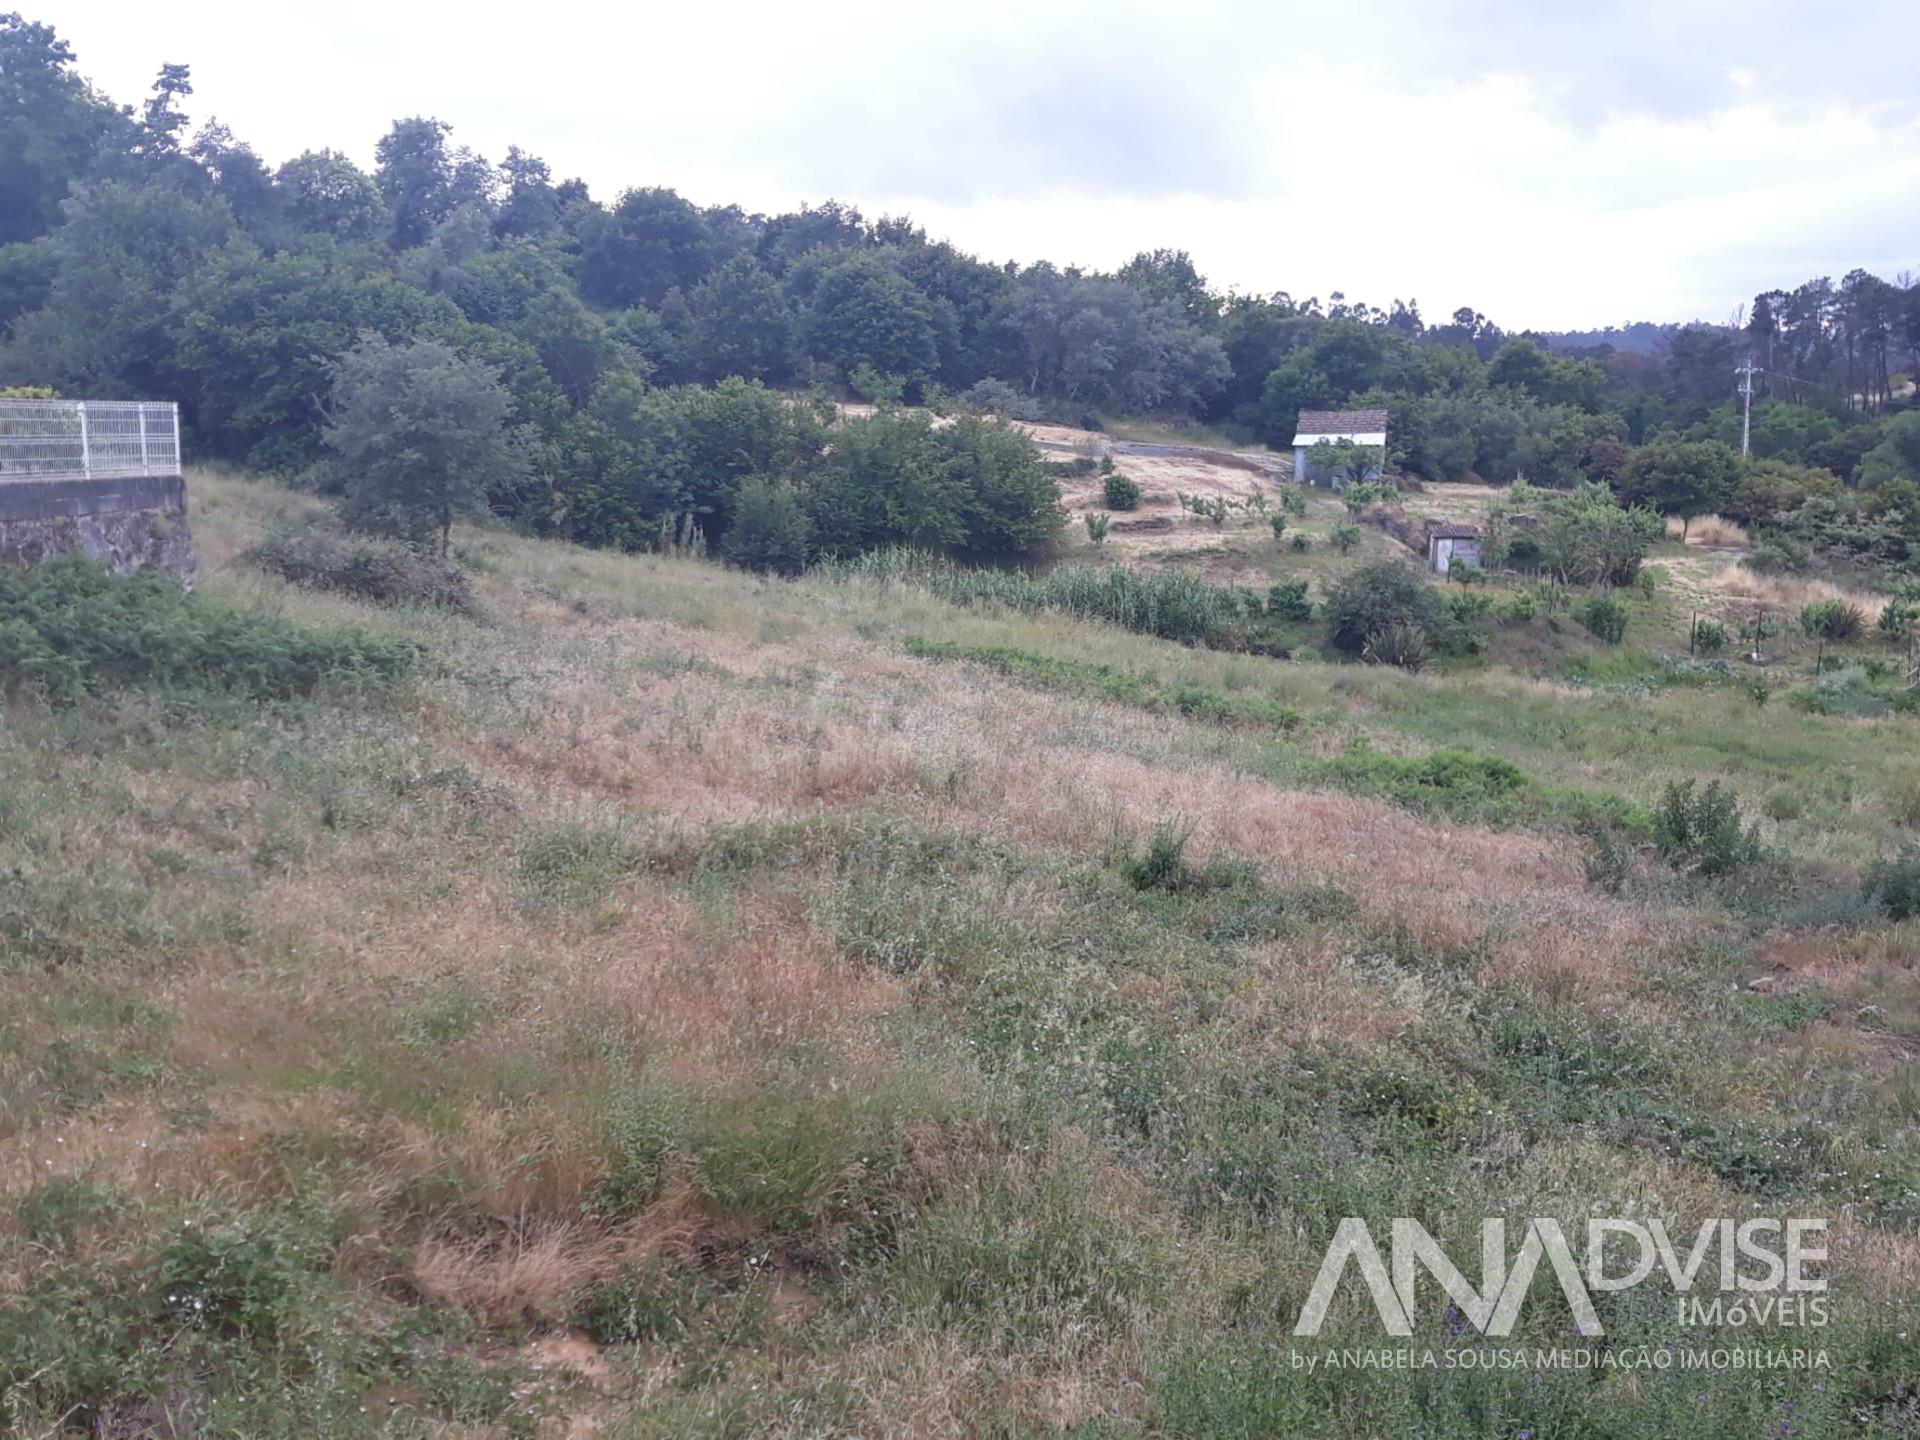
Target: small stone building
1358,427
1450,543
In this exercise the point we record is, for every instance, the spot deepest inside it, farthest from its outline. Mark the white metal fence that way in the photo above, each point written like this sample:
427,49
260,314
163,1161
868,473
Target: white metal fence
88,439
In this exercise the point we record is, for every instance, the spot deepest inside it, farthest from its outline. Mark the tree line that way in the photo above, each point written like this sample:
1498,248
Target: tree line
139,255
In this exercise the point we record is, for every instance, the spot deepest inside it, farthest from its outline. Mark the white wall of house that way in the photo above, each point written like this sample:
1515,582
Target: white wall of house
1442,553
1309,475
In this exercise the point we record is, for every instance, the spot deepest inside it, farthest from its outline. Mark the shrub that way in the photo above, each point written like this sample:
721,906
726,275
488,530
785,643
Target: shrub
875,386
1278,522
1096,527
1163,865
641,1303
1456,773
1608,862
1894,883
1376,596
1709,637
244,1278
1703,830
1397,644
1896,620
771,529
1605,619
1835,620
1344,537
1121,492
378,571
1288,601
1463,573
1778,555
1300,541
999,398
68,629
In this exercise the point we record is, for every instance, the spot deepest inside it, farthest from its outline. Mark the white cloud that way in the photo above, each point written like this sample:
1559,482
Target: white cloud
1550,167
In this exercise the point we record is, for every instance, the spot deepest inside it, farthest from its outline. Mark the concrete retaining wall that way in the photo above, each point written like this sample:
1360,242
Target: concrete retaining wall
125,523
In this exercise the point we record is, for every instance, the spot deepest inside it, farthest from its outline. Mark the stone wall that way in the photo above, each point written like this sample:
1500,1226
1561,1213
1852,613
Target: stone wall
124,523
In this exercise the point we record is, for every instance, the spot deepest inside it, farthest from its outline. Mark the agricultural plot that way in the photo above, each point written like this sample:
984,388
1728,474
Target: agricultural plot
671,1002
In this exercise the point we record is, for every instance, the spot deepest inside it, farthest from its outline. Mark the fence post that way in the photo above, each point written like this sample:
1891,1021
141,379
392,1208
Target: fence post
86,453
145,468
179,460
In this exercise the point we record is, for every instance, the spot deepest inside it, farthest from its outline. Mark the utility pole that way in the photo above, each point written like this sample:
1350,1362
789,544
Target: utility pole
1745,372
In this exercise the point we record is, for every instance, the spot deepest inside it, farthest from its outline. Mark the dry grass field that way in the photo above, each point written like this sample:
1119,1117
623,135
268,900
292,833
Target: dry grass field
696,1004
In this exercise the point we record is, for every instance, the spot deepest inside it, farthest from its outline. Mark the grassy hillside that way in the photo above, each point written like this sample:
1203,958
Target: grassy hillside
688,1004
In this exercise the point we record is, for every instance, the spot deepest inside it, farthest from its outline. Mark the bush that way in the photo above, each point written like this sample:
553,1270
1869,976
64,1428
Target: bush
1709,637
876,387
1097,527
1164,865
1704,831
244,1278
1301,541
68,629
1778,555
1288,601
1605,619
1400,645
1375,597
1894,883
771,530
972,485
1344,537
1835,620
999,398
378,571
1121,492
1896,620
1278,522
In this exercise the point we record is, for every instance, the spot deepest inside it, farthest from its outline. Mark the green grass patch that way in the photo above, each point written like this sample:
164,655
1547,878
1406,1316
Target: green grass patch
69,629
1087,677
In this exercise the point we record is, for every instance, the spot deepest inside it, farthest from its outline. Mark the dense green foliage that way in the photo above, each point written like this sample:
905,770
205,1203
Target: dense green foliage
68,628
421,439
1384,599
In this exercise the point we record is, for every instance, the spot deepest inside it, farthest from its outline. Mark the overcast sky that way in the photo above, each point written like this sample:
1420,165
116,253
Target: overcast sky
1659,159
